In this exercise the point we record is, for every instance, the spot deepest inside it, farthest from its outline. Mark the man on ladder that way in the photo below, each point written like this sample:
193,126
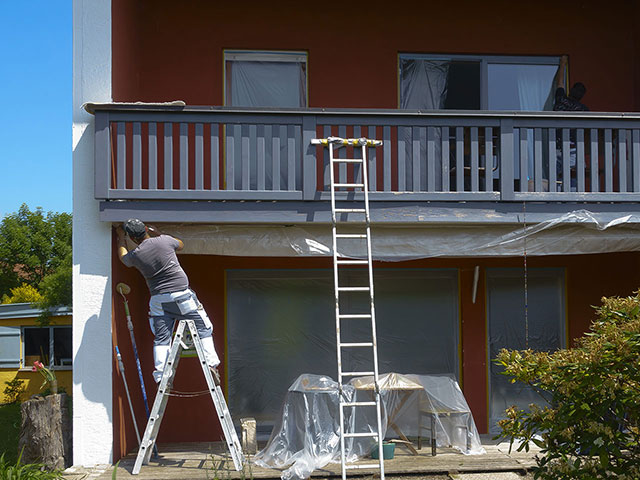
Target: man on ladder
171,298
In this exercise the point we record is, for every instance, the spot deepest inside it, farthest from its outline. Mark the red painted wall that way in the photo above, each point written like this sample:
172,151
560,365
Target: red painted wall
166,50
588,277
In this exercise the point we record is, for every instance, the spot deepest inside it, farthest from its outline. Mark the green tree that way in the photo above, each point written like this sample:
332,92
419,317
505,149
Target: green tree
34,246
590,428
56,287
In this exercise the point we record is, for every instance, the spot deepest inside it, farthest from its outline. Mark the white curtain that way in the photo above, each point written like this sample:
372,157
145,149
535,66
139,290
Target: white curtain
534,86
521,88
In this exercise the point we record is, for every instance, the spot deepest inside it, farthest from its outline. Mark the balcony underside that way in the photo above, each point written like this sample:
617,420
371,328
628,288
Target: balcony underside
382,213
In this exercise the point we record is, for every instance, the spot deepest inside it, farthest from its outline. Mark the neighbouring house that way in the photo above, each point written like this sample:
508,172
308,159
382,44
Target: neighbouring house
23,341
496,222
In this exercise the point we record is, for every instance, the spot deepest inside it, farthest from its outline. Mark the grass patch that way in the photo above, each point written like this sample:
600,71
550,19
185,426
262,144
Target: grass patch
10,419
31,471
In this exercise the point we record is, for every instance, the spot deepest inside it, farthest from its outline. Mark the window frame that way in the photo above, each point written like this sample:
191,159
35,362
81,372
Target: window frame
51,352
284,56
484,61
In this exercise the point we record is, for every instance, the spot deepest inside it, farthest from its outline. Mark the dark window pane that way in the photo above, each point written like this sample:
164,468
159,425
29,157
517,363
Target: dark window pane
62,346
463,86
36,346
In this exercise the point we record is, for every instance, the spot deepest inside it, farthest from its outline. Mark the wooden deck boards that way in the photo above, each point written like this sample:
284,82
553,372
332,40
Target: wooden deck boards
207,461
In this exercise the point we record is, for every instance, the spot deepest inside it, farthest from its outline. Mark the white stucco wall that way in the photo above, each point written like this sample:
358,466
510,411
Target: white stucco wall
92,350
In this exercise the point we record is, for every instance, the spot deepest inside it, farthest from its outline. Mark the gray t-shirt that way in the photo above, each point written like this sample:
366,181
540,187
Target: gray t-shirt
156,259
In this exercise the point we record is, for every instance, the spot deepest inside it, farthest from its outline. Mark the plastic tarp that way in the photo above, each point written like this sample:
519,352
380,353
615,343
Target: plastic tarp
577,232
307,437
281,324
542,328
416,403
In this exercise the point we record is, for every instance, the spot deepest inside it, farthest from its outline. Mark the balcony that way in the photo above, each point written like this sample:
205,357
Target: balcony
188,160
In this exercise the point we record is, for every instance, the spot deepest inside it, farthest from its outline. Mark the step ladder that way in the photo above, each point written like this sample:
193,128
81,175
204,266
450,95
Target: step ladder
160,403
349,224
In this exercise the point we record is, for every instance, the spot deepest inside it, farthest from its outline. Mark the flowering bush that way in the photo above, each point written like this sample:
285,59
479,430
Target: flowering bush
590,428
49,376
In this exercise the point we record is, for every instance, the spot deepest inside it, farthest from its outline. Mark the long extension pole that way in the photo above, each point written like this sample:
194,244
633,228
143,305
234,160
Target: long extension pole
126,388
125,289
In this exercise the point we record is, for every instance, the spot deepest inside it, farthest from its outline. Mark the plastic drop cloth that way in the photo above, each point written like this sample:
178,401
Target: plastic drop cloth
413,401
573,233
306,437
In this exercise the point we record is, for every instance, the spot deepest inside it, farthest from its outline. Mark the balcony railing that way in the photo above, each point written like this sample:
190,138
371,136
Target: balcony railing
198,153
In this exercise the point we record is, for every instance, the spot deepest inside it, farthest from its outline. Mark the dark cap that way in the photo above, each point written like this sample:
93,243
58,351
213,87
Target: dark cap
134,228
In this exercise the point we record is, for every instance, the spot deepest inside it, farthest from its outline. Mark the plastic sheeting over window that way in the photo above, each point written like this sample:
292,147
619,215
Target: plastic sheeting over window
266,79
280,324
423,83
307,436
541,329
573,233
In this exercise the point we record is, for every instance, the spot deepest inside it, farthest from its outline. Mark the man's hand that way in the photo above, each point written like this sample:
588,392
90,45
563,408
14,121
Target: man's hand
122,242
559,80
153,231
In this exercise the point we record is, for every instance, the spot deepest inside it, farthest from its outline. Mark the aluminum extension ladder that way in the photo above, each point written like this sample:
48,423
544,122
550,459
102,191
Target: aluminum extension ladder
160,403
358,230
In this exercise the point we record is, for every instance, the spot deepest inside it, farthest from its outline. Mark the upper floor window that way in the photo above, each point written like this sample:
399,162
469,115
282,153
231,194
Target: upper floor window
474,82
265,79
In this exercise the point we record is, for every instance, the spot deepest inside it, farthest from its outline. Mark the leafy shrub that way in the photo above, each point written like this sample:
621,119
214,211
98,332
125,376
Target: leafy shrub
30,471
14,389
23,294
590,428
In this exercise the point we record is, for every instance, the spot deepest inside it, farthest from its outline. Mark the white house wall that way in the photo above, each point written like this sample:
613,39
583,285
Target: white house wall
92,355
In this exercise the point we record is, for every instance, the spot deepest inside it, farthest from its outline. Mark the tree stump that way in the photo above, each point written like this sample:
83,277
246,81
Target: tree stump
45,433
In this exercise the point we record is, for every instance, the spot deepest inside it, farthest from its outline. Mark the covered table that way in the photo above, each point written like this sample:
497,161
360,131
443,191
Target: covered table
419,404
306,436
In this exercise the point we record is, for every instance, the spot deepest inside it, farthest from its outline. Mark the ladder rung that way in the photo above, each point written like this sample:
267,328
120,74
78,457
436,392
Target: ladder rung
347,160
351,235
363,466
352,262
350,210
348,185
356,344
353,289
355,315
356,374
359,404
360,222
360,434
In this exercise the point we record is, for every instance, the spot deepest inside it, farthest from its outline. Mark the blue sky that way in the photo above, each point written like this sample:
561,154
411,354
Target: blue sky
35,94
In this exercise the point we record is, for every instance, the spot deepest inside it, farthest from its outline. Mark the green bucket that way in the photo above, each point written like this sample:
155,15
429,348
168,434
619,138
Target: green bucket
388,450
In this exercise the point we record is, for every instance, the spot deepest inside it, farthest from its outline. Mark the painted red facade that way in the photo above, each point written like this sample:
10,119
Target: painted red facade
164,50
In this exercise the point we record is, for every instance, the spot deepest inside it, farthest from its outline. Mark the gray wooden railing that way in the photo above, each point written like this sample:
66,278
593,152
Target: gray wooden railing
199,153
